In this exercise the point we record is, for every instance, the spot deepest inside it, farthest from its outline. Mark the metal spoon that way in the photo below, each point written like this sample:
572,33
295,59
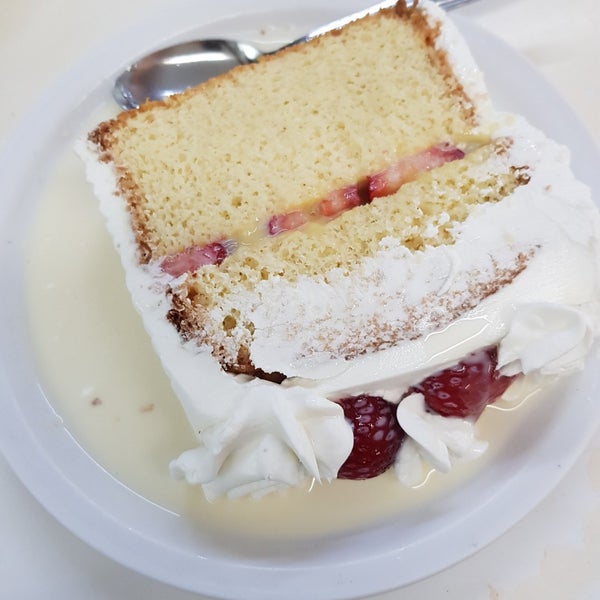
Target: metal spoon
177,68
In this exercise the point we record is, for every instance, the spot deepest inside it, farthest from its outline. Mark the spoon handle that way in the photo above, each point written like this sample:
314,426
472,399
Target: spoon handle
452,3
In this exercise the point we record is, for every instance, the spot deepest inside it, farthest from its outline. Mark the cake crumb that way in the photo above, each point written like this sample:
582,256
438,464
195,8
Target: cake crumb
147,407
96,401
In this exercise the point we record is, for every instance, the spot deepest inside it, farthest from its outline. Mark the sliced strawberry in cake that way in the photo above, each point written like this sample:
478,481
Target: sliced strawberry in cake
408,168
193,258
286,222
339,201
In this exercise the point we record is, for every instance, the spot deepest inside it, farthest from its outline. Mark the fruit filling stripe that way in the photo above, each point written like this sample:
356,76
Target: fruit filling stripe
378,185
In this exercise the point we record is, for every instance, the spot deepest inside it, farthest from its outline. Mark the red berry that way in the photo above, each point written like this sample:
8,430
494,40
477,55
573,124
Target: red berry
286,222
340,201
410,167
377,436
194,257
467,388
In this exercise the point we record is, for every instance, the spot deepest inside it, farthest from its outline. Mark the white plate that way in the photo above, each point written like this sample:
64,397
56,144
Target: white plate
137,533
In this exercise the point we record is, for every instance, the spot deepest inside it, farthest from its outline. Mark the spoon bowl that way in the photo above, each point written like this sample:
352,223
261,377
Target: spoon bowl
174,69
177,68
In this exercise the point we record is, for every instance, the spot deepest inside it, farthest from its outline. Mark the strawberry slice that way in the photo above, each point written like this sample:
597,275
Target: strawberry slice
377,436
339,201
390,180
467,388
194,257
286,222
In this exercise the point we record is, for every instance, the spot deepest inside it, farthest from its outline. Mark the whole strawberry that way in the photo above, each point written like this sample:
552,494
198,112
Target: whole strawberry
467,388
377,436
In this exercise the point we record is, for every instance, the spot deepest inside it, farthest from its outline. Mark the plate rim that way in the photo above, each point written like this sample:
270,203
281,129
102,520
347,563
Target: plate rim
35,476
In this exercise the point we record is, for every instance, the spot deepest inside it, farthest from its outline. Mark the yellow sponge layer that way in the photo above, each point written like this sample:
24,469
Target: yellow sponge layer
288,130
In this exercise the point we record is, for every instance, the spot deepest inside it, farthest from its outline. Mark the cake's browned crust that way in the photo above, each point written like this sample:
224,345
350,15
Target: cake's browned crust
438,57
186,316
103,138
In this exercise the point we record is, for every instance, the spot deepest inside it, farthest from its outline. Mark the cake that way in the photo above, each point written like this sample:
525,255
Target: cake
327,247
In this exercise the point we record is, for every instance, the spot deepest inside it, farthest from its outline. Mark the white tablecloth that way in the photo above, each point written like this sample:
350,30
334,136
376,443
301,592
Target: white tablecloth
554,553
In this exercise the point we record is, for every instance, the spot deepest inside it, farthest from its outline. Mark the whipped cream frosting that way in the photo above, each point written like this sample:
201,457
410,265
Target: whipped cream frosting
255,436
434,441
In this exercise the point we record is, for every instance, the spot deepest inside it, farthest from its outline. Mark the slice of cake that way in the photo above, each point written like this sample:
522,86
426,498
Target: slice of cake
344,225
